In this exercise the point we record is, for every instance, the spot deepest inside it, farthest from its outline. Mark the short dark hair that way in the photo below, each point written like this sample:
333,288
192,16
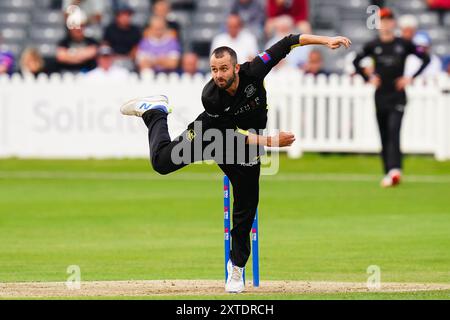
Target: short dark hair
220,52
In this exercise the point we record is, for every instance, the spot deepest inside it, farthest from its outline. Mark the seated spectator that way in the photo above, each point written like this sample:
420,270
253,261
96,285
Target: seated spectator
284,26
252,15
76,52
423,42
94,9
296,9
123,37
158,50
441,7
242,41
6,62
408,25
162,9
106,70
314,65
189,63
31,62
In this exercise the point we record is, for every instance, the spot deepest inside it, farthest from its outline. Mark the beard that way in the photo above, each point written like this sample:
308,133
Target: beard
227,84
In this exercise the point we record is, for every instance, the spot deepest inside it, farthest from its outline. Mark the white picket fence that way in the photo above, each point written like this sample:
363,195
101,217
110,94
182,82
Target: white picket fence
337,114
71,117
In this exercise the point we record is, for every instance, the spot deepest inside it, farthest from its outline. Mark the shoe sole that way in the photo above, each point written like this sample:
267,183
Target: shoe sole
235,292
132,102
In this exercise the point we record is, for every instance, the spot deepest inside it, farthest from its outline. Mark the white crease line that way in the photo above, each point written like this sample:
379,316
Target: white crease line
320,177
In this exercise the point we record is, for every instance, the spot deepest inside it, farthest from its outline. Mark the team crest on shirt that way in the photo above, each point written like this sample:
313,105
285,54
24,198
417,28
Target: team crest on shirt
378,50
250,90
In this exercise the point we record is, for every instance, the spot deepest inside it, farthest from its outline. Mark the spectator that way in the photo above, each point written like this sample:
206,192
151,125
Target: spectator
423,42
296,9
189,63
441,7
242,41
106,70
162,9
94,9
31,62
314,65
76,52
447,69
158,50
252,15
408,25
284,26
123,37
6,61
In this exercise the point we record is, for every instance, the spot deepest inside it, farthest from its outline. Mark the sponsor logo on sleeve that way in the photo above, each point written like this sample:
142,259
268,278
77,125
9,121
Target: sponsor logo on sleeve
265,57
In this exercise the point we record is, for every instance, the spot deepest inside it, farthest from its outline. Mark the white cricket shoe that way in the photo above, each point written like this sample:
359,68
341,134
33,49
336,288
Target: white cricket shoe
392,179
137,107
235,281
386,182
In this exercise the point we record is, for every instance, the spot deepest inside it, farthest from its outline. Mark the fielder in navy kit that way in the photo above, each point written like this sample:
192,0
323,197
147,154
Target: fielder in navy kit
234,99
389,54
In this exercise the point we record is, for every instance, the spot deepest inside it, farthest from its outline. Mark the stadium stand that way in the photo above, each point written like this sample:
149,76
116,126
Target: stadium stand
40,24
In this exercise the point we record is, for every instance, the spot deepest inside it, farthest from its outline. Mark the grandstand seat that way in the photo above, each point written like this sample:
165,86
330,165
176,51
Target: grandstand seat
442,49
48,17
12,35
428,19
408,6
13,19
14,48
200,39
182,17
209,18
140,19
45,49
43,3
16,5
94,31
447,19
47,34
325,17
139,6
213,5
438,35
188,5
357,32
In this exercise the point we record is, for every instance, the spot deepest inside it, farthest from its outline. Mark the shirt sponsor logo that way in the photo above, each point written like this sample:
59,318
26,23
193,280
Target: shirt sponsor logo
212,115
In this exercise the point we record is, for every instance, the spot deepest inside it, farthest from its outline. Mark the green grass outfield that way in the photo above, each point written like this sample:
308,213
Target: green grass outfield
323,218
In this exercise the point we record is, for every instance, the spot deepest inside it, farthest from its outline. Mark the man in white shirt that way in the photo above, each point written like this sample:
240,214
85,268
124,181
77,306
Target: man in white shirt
105,67
413,63
241,40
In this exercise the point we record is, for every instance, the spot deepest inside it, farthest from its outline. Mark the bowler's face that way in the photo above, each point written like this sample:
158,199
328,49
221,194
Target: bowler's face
222,70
